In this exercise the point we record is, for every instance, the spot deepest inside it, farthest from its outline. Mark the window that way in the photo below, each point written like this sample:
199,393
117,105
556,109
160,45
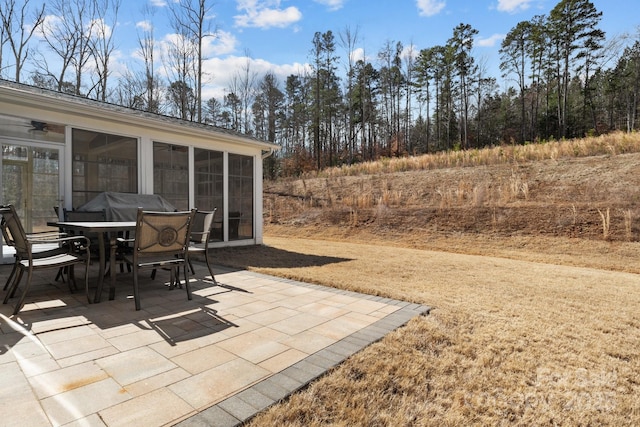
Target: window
240,197
209,185
103,162
31,182
171,173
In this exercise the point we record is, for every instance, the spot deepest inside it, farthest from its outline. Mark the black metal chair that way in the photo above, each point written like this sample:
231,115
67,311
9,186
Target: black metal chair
67,255
89,216
41,250
74,215
161,242
201,232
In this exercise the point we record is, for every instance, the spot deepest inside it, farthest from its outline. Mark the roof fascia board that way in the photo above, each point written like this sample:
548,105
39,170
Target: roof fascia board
122,115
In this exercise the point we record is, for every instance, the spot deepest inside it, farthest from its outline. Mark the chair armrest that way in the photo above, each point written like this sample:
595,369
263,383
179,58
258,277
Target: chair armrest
46,235
199,236
62,239
82,243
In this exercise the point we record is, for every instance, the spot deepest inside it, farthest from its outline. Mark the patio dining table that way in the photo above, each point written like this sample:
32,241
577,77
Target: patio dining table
101,228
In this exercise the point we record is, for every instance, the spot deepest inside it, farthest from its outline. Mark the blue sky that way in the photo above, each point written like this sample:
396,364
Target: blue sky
277,34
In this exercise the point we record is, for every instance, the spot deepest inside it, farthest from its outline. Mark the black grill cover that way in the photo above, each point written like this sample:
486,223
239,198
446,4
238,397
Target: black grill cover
124,206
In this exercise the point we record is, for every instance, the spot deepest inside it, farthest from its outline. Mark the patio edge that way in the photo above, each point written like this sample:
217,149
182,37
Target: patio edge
241,407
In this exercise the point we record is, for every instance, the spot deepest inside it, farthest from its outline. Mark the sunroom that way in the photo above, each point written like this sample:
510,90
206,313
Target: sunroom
62,151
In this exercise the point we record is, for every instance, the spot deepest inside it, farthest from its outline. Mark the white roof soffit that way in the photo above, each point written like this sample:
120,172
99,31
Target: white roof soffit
31,96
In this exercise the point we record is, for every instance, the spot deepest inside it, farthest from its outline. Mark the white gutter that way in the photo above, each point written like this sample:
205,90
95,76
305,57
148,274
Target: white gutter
33,97
267,153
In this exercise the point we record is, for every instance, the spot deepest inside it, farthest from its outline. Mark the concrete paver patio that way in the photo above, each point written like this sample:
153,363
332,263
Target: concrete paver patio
216,360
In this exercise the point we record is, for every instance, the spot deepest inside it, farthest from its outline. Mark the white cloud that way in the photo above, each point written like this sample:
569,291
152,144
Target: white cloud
430,7
101,28
266,14
221,67
223,43
410,51
54,25
357,54
222,71
158,3
513,6
332,4
144,25
490,41
48,27
118,64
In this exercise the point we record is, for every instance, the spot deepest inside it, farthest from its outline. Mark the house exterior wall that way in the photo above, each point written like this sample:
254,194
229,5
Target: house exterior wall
34,104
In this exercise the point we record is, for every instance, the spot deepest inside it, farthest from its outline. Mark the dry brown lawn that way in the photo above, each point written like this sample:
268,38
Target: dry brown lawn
509,341
528,258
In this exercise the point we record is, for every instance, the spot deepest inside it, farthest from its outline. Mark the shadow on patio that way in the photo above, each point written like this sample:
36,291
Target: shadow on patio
167,312
262,256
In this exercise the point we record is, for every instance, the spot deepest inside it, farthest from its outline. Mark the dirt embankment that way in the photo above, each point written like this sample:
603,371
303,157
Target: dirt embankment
552,210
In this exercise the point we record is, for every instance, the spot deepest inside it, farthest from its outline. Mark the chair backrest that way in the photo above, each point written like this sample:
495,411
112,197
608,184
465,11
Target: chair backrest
202,226
162,232
84,215
13,231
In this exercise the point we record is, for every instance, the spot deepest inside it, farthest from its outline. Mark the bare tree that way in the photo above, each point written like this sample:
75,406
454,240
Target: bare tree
391,79
61,38
243,85
409,70
129,92
349,40
192,20
102,45
3,41
65,32
180,67
151,82
18,29
513,53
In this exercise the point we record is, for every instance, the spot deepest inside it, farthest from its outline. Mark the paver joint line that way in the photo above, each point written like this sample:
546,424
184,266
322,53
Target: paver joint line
271,389
254,398
238,408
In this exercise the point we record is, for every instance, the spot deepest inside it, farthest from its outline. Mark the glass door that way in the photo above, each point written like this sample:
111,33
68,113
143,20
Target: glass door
31,181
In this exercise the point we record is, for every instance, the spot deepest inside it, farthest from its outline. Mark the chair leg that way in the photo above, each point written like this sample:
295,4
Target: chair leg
72,279
175,277
11,292
20,303
13,271
136,293
12,287
60,274
112,277
86,283
186,282
193,271
172,278
206,259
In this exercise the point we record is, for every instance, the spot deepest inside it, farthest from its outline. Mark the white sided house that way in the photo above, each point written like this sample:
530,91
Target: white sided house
63,150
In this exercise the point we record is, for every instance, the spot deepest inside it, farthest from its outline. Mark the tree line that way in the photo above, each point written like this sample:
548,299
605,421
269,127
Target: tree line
564,79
